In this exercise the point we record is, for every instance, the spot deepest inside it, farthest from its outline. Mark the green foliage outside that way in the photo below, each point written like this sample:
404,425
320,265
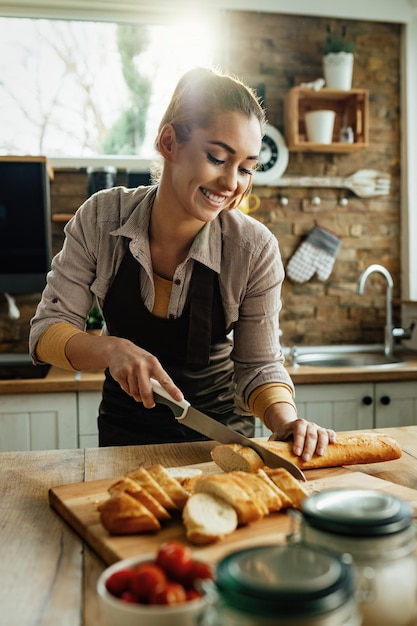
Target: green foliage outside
128,132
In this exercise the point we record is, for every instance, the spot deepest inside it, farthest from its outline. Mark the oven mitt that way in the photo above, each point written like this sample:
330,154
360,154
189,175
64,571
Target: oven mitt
316,254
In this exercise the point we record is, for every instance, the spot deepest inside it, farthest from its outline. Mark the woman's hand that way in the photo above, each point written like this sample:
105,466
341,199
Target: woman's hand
130,366
308,438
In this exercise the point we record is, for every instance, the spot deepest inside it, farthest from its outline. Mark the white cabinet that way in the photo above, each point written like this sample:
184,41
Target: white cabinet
395,404
88,403
356,406
44,421
353,406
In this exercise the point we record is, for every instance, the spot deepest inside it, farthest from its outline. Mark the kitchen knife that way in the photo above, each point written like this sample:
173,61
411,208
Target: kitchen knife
217,431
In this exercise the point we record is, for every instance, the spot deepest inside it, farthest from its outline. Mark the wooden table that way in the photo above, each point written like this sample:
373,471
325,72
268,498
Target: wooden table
48,574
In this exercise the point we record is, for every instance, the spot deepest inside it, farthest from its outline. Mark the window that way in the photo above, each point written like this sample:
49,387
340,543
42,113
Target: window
85,88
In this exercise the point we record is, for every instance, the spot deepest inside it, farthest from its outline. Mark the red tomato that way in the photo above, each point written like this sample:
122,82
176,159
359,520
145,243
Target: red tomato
199,571
119,581
192,594
175,558
145,579
168,593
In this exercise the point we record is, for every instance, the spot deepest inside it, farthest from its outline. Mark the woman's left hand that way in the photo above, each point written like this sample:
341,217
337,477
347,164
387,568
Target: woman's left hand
308,437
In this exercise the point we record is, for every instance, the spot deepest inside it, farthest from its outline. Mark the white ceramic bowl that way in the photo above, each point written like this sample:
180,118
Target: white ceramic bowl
120,613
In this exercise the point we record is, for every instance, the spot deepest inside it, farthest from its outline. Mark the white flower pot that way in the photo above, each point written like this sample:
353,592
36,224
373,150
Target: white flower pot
338,69
319,126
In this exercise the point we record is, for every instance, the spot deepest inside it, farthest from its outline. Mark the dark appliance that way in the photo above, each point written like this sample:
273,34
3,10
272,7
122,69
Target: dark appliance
25,224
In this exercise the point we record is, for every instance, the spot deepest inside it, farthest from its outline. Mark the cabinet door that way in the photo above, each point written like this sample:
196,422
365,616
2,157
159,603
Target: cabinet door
88,403
395,404
338,406
45,421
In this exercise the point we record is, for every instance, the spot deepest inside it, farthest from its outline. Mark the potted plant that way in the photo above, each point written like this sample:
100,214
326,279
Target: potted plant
95,320
337,54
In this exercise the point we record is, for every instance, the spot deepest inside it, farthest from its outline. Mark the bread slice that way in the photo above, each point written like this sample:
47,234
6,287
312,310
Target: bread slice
208,518
246,482
294,489
146,480
129,486
170,485
234,457
285,499
121,514
223,486
264,490
183,474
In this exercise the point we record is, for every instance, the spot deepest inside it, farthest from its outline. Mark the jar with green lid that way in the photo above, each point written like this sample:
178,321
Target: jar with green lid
290,585
378,531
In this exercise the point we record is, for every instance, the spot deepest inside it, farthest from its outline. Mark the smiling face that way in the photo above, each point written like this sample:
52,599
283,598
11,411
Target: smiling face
211,171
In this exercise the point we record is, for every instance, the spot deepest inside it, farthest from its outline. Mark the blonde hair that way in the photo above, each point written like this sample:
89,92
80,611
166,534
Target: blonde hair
200,96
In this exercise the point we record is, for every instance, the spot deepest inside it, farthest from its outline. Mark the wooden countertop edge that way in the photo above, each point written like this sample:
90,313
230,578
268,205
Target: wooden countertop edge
58,380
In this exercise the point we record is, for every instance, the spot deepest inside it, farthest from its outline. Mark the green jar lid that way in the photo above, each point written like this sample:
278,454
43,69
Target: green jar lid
291,580
357,512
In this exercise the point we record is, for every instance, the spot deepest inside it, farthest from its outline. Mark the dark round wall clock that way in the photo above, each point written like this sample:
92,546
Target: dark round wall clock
273,157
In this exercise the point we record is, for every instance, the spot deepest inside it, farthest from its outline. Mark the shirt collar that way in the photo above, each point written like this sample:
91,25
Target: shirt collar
206,247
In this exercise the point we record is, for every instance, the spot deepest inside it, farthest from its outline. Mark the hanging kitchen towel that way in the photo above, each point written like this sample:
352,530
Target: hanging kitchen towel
316,254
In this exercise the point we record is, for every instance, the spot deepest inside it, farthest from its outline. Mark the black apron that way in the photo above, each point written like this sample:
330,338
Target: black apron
193,348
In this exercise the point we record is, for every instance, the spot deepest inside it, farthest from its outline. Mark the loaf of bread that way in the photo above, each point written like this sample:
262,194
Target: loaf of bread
208,518
348,449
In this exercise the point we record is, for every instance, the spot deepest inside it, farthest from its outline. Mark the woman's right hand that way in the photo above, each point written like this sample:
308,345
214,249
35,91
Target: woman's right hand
130,366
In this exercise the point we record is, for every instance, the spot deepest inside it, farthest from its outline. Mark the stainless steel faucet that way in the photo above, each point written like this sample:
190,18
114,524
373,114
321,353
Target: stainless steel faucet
388,335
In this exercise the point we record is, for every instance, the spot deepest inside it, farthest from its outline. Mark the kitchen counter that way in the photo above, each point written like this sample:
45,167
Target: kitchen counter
48,574
58,380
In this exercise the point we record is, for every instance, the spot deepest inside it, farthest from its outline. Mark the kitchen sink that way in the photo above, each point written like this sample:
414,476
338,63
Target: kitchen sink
23,372
348,359
20,367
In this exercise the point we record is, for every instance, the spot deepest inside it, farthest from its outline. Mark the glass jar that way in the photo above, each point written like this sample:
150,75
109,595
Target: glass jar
377,530
101,178
293,585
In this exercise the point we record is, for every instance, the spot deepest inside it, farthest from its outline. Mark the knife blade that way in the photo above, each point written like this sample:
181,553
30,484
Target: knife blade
217,431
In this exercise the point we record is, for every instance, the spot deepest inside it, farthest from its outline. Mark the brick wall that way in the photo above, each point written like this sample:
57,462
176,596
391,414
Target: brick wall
279,52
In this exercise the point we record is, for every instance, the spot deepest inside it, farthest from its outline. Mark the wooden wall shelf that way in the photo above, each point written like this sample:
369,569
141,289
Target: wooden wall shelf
351,108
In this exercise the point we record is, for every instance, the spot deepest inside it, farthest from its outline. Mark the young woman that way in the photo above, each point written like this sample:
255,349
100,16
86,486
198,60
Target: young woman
188,285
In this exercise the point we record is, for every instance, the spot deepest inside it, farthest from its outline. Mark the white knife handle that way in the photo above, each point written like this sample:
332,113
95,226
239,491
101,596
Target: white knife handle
164,395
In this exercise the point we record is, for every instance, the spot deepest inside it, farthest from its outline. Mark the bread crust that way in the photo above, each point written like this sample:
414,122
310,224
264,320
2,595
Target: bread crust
348,449
140,494
121,514
225,487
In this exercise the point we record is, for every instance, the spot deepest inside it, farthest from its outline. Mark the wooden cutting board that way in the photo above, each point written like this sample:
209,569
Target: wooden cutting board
77,504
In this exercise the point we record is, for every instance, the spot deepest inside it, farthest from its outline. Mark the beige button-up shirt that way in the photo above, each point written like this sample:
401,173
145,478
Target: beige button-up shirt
241,250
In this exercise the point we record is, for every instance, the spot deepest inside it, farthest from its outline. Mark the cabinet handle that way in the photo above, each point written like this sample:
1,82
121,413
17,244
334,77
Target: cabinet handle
385,400
367,400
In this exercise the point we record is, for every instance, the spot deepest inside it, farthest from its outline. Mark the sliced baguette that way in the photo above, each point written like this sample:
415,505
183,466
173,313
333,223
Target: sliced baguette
223,486
140,494
146,480
121,514
292,487
208,518
286,501
170,484
264,490
234,457
346,450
